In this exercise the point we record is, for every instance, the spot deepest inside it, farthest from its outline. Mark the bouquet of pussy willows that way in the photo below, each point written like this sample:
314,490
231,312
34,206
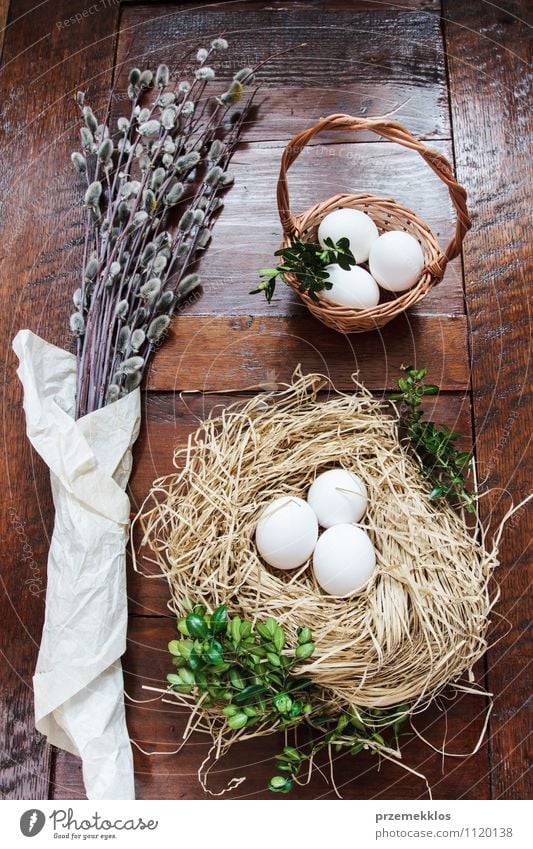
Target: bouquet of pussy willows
153,179
328,572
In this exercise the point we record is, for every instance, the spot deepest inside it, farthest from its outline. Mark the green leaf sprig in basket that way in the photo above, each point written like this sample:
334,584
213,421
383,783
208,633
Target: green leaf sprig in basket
246,671
308,262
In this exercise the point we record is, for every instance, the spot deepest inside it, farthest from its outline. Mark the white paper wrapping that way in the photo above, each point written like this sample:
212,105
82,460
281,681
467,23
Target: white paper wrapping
78,684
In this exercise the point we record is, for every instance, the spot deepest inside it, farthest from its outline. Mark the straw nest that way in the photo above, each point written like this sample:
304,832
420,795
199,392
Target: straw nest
422,620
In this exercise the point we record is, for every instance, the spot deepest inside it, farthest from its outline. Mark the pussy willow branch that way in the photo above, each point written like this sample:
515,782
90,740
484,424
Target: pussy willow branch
166,160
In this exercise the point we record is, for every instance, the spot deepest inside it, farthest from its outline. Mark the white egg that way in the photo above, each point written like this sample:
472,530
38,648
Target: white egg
353,288
287,532
352,224
344,560
338,497
396,261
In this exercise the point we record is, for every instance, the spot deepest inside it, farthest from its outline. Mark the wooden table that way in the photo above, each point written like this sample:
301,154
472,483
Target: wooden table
456,75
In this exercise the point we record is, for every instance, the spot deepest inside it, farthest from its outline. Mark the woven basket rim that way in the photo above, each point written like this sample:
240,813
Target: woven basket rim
415,293
349,319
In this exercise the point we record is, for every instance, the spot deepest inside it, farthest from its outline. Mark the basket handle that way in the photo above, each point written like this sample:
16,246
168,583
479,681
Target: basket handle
393,132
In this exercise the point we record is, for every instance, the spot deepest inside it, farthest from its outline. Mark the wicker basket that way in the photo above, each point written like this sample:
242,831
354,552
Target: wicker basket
387,215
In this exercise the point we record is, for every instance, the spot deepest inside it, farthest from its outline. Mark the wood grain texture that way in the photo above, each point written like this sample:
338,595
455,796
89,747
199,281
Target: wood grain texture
40,230
367,59
245,352
4,9
304,5
490,79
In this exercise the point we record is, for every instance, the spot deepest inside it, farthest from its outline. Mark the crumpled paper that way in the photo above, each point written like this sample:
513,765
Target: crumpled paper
78,683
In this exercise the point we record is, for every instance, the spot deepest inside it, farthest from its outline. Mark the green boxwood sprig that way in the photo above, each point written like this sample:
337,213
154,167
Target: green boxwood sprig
247,672
245,669
440,460
307,261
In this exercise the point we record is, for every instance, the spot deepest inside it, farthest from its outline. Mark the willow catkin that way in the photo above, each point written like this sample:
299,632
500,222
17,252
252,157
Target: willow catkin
420,623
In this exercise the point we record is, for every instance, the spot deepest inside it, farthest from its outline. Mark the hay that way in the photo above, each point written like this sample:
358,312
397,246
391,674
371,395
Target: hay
421,622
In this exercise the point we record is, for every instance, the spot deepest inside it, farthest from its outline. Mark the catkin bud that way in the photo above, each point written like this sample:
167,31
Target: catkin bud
203,239
215,151
157,328
174,194
219,44
77,324
202,55
199,216
162,76
134,76
79,162
186,221
122,309
184,87
87,139
189,283
123,338
140,218
113,393
150,128
187,109
213,176
168,117
105,151
92,195
149,200
188,161
148,253
245,75
206,74
76,299
137,338
158,178
233,94
146,79
226,179
133,380
90,121
151,288
90,269
159,264
166,99
131,365
165,302
164,240
123,125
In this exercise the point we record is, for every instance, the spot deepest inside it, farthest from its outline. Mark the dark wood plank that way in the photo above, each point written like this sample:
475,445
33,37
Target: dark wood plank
353,5
246,352
41,226
489,65
4,8
168,419
249,222
158,726
354,58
